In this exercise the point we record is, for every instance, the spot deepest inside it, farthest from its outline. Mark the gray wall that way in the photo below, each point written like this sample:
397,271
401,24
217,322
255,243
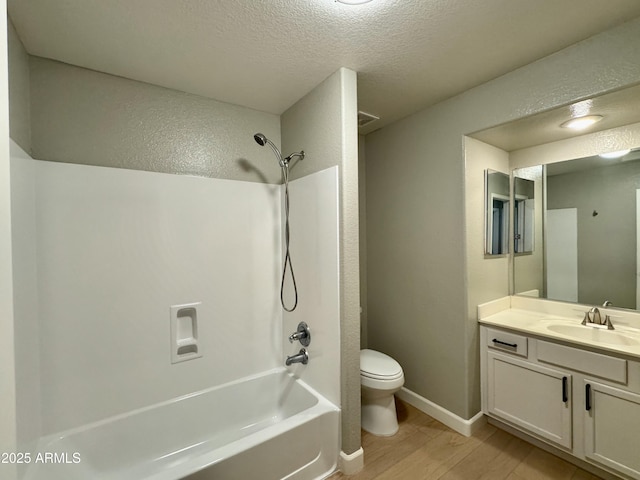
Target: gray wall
422,304
362,199
19,102
324,124
83,116
606,242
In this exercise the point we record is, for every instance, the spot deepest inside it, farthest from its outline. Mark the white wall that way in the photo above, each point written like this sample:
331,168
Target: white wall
314,254
103,253
115,249
27,336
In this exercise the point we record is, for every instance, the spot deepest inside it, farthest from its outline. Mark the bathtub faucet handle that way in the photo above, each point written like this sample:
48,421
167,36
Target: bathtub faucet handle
303,334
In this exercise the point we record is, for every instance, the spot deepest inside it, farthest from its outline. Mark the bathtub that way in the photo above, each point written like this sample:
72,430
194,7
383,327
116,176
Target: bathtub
269,426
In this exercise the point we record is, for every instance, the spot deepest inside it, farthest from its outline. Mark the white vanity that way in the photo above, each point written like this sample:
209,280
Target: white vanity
575,387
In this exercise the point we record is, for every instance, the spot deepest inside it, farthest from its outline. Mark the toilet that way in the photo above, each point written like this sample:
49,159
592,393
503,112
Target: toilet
380,377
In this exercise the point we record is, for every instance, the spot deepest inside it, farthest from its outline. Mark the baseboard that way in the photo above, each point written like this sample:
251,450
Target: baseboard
351,463
451,420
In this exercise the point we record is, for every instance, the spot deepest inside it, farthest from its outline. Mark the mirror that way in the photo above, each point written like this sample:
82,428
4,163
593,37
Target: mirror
591,227
604,217
523,215
497,203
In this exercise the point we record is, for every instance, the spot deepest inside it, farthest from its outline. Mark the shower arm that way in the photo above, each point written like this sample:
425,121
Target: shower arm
299,154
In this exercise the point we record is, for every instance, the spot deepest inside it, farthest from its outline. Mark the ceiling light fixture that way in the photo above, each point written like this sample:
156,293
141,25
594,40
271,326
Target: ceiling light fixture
618,154
581,109
582,123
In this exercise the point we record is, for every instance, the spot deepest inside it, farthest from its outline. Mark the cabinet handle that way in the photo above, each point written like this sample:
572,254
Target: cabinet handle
587,397
565,396
512,345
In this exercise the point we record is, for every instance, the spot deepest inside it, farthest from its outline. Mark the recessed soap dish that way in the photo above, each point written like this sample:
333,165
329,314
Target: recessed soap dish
184,332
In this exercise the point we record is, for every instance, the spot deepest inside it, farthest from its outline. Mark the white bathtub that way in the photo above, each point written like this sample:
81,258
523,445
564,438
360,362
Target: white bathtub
270,426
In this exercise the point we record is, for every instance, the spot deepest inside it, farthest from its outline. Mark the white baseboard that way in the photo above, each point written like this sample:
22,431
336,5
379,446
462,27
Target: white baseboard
351,463
451,420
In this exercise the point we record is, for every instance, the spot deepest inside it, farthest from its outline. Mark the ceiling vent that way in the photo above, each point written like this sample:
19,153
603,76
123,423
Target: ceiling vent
366,118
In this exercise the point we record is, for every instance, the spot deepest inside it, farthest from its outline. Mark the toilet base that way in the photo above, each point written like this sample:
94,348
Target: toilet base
378,415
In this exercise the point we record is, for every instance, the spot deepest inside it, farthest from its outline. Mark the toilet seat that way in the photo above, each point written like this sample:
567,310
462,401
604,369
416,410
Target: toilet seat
378,366
373,376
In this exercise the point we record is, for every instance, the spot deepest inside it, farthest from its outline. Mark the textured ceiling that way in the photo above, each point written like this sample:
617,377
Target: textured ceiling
266,54
589,163
618,108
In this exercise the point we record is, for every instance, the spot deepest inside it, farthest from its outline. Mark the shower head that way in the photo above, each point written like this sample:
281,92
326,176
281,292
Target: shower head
260,139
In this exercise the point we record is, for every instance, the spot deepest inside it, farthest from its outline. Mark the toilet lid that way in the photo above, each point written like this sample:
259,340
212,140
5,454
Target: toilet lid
376,364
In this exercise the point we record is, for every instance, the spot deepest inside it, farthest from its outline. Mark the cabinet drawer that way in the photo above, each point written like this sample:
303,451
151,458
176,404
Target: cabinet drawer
507,342
596,364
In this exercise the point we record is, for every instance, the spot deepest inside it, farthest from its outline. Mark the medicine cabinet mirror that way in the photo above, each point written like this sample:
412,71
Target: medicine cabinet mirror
523,215
496,212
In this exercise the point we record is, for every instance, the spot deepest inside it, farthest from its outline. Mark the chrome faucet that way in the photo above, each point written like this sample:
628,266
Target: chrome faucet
593,316
301,357
607,303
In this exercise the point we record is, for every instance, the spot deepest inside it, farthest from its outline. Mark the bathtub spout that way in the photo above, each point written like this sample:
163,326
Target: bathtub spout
301,357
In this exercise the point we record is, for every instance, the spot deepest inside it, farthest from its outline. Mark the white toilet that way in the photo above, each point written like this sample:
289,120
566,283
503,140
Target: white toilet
380,377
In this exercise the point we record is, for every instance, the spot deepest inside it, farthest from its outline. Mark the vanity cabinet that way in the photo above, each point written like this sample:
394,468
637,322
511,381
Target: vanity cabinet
581,401
611,427
530,396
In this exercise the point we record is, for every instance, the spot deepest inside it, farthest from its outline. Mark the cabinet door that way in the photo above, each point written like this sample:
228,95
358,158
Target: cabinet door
535,398
611,426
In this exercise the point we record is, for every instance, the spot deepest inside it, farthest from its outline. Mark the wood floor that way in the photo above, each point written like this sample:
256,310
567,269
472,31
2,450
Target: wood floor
427,449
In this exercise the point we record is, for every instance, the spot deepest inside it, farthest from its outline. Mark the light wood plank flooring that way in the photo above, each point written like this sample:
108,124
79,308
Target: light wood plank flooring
426,449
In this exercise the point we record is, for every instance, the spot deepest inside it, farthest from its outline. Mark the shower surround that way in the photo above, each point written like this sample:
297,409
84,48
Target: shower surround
106,252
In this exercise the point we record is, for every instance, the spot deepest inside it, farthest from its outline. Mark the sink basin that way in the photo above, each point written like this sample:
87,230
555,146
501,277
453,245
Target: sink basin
583,332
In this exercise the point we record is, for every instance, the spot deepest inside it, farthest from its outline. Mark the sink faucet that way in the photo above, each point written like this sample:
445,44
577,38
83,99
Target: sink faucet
593,316
301,357
607,303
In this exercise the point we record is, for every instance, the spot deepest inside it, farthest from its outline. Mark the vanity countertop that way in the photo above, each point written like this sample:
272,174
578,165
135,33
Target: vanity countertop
562,322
